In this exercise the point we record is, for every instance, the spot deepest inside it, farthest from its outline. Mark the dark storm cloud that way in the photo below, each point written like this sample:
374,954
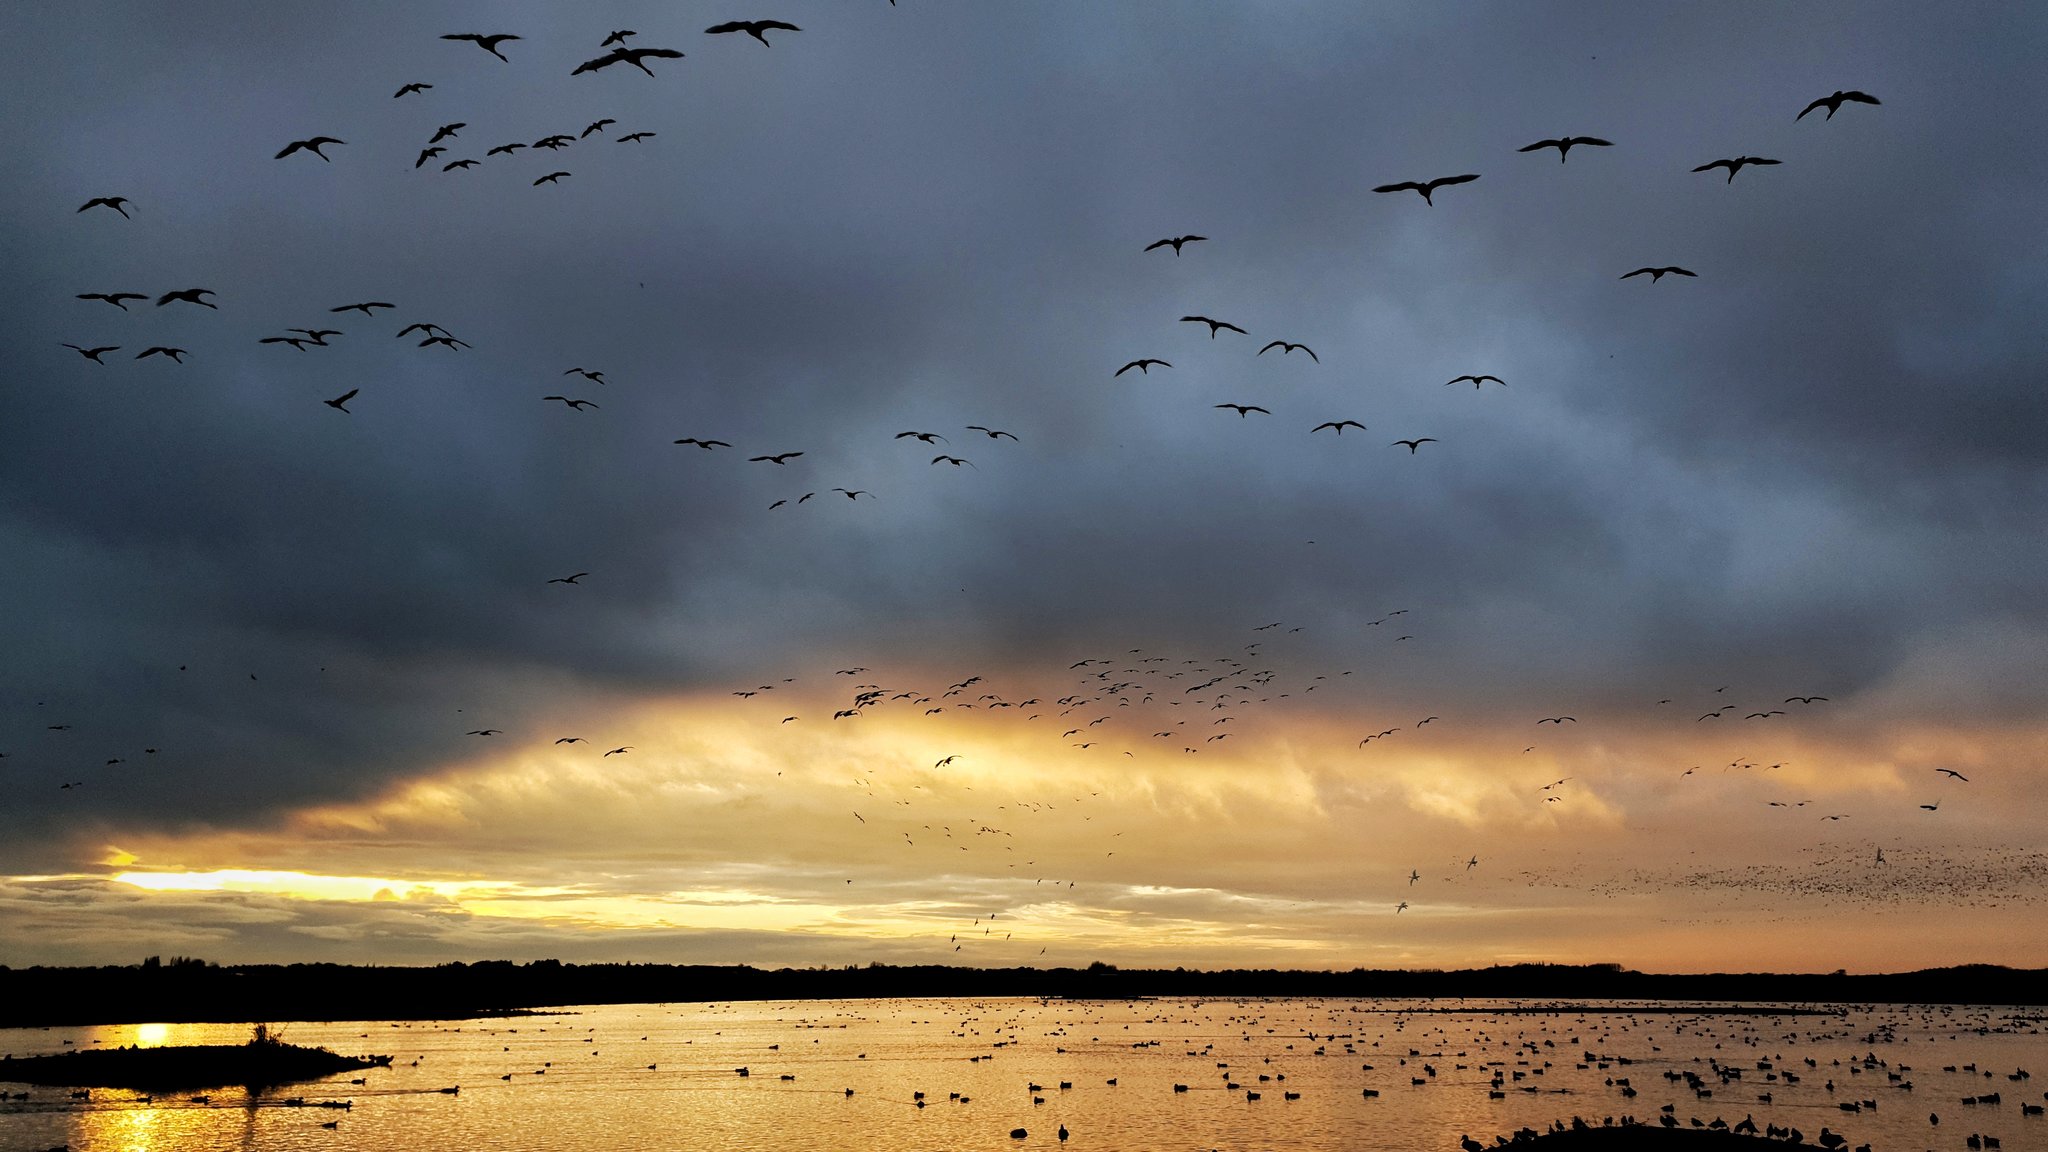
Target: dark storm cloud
1793,469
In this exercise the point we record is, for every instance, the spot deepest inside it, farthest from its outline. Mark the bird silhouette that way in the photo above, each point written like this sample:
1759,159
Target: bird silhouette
1428,189
707,445
1213,325
1286,348
569,579
752,28
778,458
578,405
94,354
550,178
1657,274
313,145
1414,444
636,137
176,354
188,295
596,126
1175,241
854,493
342,399
505,150
1954,773
452,165
1337,425
446,132
113,298
487,43
1834,103
427,154
955,461
1735,165
992,433
420,88
927,437
619,37
633,56
1243,410
1803,699
113,202
1476,381
366,307
1143,367
586,373
1564,144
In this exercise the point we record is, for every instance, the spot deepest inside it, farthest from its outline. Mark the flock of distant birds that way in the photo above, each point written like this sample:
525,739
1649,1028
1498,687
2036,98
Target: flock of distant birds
1235,683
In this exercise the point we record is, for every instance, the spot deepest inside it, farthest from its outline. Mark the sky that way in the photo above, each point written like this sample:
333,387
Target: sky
1143,679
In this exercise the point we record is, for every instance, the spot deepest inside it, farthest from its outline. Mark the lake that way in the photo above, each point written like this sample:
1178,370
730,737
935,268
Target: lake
1259,1076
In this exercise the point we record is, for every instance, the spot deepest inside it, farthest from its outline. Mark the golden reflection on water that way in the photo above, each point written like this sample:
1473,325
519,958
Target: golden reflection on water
665,1075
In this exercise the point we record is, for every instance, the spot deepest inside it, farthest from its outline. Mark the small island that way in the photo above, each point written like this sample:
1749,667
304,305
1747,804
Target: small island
263,1062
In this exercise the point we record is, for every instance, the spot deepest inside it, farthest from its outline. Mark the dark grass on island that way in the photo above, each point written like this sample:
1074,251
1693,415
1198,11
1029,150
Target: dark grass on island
263,1062
1632,1136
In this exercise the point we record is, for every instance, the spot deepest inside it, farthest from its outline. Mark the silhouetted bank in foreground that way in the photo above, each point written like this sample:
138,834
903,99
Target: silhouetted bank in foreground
192,990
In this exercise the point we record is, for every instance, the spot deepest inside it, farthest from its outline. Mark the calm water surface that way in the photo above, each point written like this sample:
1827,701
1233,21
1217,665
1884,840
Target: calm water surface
664,1076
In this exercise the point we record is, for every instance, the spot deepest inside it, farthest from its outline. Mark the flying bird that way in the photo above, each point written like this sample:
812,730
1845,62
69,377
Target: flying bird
1954,773
1558,720
569,740
487,43
113,298
1476,381
596,126
633,56
1243,410
586,373
550,178
446,132
578,405
1285,348
620,751
927,437
485,732
342,399
752,28
176,354
188,295
955,461
1141,365
1803,699
1564,144
569,579
314,145
618,37
707,445
365,307
993,433
636,137
855,493
113,202
1735,165
94,354
1414,444
1657,274
778,458
1338,425
504,150
465,164
1428,189
1175,241
1834,103
1213,325
421,88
